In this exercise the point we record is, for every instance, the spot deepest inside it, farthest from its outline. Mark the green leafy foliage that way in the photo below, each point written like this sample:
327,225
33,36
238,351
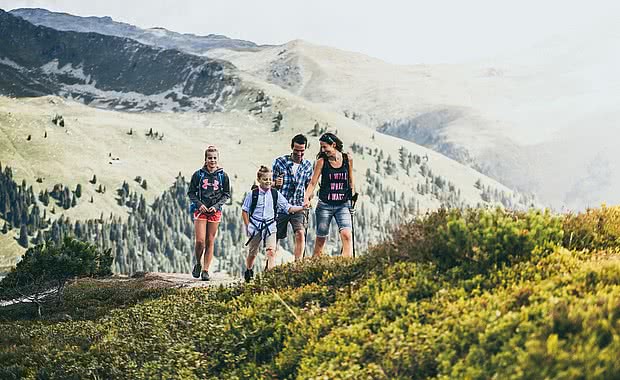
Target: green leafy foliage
46,268
471,294
593,229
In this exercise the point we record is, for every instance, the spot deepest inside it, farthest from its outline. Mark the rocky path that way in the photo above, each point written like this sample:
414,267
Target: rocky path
185,280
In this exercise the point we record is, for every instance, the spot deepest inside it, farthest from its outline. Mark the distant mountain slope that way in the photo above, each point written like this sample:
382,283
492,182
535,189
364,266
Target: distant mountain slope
108,71
159,37
488,115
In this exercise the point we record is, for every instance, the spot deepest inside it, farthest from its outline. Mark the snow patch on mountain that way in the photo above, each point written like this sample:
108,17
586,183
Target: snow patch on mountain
77,72
10,63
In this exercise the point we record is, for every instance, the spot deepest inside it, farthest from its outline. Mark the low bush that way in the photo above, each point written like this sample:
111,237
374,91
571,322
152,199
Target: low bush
472,294
45,269
593,229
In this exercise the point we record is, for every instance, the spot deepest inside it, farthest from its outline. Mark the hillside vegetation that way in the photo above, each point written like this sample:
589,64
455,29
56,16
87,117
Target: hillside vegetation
457,294
112,156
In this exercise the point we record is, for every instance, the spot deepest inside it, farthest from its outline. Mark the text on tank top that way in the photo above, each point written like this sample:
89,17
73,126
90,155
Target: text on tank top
334,182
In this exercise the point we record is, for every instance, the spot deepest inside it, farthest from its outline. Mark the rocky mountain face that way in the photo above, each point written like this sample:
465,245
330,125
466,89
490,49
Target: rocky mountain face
108,71
160,37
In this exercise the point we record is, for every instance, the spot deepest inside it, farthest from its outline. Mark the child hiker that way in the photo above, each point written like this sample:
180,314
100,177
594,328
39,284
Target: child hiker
260,208
209,189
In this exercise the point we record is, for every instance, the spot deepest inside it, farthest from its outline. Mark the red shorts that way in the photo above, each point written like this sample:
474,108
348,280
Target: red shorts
214,217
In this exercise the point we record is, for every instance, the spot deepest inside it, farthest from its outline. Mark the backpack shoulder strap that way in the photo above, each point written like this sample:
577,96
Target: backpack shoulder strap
274,197
254,200
202,177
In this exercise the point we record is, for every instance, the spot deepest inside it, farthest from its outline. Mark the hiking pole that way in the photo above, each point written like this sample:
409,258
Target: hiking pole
303,255
352,211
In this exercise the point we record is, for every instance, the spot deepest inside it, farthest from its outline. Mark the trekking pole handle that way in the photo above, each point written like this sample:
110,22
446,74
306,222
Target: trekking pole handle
354,199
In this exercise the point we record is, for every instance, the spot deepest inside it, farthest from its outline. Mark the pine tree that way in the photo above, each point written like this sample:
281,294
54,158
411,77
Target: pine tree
144,184
23,236
78,190
66,199
39,239
402,157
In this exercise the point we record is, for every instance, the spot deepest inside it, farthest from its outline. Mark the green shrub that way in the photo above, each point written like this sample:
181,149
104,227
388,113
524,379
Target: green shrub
46,268
470,294
593,229
476,240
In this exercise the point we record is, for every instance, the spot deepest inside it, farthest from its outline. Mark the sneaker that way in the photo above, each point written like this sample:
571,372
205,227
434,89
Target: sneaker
248,275
196,270
204,276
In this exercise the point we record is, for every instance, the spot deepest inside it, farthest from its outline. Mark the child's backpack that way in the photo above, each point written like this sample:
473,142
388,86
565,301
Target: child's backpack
274,197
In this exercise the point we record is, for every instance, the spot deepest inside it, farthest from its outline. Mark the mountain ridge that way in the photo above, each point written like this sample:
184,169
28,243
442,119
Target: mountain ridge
109,71
187,42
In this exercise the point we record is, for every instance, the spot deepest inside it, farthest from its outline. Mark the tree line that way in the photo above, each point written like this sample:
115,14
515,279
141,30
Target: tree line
160,236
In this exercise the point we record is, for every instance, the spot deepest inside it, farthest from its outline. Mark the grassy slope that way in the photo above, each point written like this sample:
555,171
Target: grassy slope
71,155
432,303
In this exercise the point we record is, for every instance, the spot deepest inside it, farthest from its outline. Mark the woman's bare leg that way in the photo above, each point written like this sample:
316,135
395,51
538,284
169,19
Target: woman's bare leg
200,227
209,241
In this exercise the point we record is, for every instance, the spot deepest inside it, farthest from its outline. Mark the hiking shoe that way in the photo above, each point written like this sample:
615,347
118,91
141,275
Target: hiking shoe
248,275
196,270
204,276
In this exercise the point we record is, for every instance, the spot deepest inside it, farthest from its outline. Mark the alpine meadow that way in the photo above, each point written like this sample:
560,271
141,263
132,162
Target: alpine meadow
448,221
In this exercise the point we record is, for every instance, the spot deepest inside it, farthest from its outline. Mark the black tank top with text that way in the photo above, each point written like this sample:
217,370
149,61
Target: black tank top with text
334,182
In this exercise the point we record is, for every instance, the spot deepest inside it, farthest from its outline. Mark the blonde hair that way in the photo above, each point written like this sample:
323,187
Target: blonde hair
262,171
211,148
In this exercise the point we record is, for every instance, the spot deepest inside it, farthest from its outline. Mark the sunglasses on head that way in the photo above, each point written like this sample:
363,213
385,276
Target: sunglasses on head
327,138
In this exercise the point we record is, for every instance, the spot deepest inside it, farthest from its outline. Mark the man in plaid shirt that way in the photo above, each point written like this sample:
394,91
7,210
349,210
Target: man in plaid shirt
291,175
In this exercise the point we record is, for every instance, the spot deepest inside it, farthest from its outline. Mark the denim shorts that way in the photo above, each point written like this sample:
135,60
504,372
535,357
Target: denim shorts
324,213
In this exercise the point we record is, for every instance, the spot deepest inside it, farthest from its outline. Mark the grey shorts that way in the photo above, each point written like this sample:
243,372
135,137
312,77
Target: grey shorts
299,221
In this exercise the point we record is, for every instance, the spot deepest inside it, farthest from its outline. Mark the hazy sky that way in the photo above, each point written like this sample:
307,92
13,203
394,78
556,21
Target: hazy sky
413,31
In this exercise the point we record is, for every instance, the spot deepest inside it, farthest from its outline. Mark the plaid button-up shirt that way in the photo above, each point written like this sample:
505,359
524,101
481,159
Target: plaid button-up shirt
293,186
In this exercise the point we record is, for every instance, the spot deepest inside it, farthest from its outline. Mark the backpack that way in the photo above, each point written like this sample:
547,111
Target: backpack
274,197
263,225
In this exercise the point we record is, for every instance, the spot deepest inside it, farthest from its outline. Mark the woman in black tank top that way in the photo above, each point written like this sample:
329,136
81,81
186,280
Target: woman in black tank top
336,171
335,186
